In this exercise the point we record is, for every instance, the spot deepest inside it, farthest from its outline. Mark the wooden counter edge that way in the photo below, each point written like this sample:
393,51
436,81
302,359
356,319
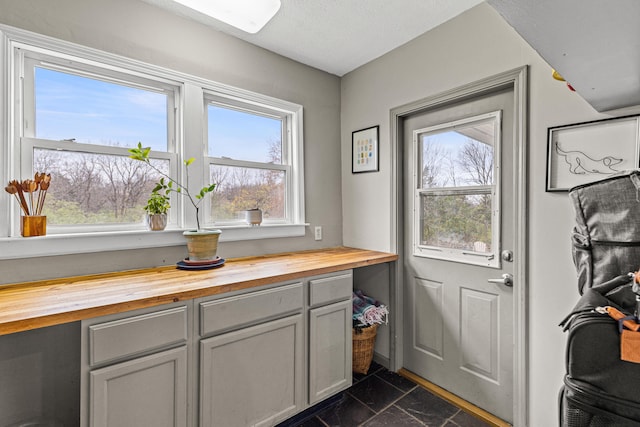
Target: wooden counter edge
47,318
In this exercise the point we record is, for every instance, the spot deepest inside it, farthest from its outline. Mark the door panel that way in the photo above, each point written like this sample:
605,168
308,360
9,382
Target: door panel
479,333
458,326
429,325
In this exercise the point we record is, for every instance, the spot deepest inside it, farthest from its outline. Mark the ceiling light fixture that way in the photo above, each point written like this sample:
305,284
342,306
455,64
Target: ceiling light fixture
247,15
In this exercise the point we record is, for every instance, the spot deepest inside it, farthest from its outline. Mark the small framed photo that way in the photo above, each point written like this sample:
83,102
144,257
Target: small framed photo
365,150
586,152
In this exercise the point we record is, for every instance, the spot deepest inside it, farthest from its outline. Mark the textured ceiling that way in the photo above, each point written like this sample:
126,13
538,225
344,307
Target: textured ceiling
338,36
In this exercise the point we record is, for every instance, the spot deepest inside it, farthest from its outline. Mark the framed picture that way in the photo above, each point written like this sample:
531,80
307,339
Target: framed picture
365,150
585,152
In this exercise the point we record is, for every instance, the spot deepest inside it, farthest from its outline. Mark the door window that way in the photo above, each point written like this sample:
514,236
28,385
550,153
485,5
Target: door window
456,203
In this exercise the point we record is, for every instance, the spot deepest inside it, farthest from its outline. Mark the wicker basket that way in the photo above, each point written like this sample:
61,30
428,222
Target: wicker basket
363,343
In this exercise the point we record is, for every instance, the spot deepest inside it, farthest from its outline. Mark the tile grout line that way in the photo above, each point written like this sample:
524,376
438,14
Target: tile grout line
471,409
321,421
451,418
390,404
393,403
392,385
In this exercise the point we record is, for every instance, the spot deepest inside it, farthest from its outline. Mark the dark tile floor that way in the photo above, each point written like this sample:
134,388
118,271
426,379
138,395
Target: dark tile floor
384,398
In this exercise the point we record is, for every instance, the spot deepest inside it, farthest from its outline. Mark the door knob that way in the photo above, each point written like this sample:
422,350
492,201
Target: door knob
507,280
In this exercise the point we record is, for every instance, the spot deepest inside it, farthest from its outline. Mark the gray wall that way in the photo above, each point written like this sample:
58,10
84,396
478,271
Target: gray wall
357,210
475,45
138,30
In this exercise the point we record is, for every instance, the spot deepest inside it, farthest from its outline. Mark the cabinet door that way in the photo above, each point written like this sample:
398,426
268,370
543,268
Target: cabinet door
253,376
329,350
148,391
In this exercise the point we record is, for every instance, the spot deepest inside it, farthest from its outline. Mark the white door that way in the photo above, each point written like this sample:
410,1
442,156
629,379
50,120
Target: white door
459,237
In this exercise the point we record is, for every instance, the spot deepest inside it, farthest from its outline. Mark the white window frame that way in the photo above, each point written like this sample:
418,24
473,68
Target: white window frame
458,255
27,61
292,160
189,126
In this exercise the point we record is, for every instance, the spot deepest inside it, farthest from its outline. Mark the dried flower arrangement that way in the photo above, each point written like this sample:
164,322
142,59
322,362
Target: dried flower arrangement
35,188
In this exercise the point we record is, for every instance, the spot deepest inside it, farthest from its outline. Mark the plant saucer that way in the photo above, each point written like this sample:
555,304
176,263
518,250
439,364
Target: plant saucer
187,261
181,265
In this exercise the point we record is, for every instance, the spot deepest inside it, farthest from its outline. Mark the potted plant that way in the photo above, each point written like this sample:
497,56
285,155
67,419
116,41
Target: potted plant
157,207
253,216
202,244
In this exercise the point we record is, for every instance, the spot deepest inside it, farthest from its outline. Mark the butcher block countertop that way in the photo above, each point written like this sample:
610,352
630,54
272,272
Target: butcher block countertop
32,305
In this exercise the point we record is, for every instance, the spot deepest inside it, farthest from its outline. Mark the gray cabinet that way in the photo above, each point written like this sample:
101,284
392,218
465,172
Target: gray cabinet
329,350
252,357
135,368
147,391
247,358
329,335
253,376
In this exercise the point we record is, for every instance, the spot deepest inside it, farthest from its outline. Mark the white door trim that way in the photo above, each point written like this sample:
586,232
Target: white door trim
517,80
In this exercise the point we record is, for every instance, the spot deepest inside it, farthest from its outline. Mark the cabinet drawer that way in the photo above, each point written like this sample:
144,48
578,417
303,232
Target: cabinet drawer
227,313
329,289
137,334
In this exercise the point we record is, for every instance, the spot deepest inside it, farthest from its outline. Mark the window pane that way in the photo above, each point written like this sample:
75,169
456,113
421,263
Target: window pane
239,189
456,222
243,136
459,157
97,112
95,188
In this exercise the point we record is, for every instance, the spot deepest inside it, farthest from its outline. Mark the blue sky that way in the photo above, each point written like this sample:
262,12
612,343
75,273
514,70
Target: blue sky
451,143
97,112
242,136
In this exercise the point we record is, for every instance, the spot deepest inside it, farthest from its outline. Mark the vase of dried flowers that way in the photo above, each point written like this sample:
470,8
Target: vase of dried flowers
31,194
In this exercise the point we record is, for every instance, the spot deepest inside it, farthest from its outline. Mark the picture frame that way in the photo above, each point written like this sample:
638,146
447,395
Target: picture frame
364,150
585,152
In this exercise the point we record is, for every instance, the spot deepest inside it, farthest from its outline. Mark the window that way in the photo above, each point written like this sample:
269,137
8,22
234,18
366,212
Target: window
79,120
456,198
74,112
250,160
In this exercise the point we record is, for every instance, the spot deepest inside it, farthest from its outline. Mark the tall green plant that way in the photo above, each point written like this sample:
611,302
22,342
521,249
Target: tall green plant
166,183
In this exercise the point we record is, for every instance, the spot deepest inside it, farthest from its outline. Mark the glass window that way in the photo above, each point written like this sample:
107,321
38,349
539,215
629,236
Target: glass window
249,161
84,121
456,197
461,221
239,189
243,135
95,188
76,111
92,111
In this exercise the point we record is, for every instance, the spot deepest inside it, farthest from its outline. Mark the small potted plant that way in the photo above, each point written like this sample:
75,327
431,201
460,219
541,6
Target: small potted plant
157,207
253,216
202,244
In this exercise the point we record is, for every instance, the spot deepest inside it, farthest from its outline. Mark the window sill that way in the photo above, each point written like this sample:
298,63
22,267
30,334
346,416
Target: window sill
65,244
